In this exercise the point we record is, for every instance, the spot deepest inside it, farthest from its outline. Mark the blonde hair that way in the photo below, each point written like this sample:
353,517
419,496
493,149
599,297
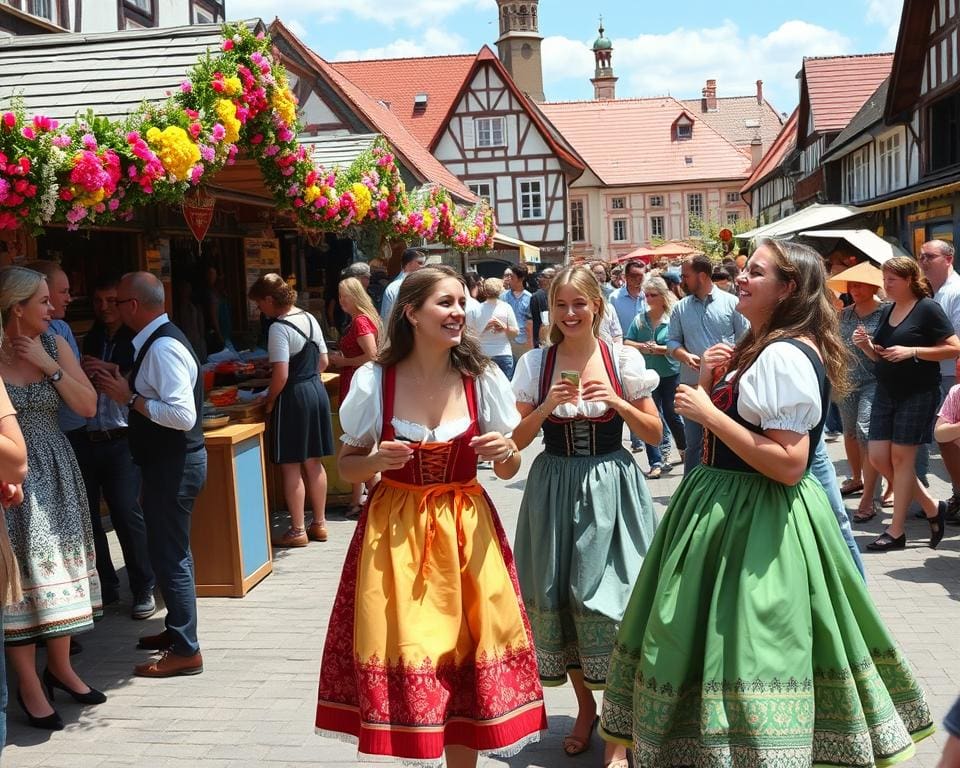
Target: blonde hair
361,300
656,284
491,288
581,277
17,285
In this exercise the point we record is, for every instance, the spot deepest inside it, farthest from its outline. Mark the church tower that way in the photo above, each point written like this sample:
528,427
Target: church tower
604,81
519,45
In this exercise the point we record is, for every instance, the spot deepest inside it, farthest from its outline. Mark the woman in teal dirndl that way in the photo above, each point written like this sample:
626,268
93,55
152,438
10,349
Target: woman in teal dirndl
750,639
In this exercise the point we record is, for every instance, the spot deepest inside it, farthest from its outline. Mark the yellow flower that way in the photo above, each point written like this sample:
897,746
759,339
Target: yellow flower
362,199
175,150
311,193
232,86
286,105
227,112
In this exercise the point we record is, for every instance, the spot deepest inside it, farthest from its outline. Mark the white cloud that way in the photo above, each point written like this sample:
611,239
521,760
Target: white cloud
433,42
886,13
416,13
298,28
679,62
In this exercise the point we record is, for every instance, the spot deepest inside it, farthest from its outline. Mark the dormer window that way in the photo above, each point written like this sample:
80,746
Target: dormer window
683,127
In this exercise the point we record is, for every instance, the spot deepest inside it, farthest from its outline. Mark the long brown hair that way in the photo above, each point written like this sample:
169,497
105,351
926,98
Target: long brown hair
415,289
909,270
582,278
806,311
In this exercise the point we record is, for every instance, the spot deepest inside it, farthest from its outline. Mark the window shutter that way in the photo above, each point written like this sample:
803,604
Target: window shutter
469,138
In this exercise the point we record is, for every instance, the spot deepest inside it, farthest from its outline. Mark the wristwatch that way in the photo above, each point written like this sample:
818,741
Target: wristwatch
54,377
133,399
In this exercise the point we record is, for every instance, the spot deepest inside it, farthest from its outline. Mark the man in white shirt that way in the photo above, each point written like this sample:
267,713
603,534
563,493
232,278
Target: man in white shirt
410,262
936,261
164,397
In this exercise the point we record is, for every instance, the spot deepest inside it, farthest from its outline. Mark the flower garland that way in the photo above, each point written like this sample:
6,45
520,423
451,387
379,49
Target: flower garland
96,171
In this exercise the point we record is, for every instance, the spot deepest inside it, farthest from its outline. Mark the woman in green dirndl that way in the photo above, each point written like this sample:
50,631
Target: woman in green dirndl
750,638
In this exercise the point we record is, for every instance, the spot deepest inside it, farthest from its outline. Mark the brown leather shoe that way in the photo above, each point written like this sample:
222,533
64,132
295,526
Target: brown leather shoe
290,539
159,642
317,531
169,664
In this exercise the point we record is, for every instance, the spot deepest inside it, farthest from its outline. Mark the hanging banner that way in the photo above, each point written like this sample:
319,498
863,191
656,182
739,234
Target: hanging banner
198,209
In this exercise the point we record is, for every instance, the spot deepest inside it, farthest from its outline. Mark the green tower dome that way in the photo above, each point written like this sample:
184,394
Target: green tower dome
602,43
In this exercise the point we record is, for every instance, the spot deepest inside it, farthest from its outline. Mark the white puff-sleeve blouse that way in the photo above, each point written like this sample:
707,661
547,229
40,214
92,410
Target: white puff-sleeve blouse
780,390
361,414
637,380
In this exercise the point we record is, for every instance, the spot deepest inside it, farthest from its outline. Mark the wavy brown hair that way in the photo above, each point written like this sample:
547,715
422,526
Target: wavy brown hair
806,311
581,277
415,289
909,270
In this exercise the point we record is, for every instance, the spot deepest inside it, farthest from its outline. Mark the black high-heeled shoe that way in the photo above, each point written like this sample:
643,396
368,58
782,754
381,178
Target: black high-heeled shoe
937,524
93,696
50,723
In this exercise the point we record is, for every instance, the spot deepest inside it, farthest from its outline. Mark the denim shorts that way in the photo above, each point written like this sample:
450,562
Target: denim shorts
904,420
855,411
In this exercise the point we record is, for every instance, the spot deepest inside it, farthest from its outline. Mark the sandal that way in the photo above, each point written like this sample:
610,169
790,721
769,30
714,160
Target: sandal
862,515
654,472
577,745
885,542
850,487
619,763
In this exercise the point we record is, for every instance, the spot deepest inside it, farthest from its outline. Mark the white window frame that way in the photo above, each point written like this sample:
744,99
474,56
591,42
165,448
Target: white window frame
691,212
856,175
624,224
687,131
618,203
583,220
533,214
732,217
891,169
655,201
485,132
658,227
474,186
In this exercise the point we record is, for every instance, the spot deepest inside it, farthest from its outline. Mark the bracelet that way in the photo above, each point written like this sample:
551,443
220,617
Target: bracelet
509,456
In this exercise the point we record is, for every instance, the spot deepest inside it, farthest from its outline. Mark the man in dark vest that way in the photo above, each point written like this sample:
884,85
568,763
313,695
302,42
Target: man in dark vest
164,395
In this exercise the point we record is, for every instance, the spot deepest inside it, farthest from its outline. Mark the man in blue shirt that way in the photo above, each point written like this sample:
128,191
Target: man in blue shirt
628,299
410,262
518,298
704,317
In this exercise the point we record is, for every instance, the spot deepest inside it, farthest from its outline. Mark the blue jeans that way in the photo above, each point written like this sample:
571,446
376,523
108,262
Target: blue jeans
170,487
822,469
505,364
952,721
663,397
108,467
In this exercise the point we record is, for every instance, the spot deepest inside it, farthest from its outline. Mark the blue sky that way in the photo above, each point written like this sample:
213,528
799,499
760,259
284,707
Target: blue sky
655,52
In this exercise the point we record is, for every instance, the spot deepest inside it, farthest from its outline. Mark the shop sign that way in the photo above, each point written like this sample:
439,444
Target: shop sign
198,211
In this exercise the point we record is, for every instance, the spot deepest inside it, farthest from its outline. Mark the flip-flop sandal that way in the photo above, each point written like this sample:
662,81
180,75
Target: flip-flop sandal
577,745
849,489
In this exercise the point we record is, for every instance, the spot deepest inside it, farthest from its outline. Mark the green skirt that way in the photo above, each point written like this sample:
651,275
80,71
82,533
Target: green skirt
584,526
751,640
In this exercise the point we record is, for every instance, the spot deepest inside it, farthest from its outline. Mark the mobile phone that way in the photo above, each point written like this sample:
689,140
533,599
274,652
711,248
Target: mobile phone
571,376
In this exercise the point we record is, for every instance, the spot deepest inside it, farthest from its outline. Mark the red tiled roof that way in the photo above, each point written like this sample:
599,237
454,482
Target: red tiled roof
630,141
837,86
781,147
382,120
396,82
734,113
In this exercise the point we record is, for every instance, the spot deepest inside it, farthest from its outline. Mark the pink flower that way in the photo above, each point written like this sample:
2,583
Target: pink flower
113,204
9,120
28,133
228,44
89,141
218,132
260,35
61,140
271,150
186,86
195,129
257,138
207,153
195,173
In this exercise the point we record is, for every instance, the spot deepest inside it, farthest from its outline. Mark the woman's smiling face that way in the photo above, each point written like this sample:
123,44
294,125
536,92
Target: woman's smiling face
573,312
441,318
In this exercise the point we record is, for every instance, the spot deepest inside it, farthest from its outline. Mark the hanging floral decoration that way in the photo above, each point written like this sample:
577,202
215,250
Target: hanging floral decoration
95,170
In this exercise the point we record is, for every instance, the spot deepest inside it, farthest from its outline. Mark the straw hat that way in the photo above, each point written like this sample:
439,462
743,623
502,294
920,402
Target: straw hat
864,272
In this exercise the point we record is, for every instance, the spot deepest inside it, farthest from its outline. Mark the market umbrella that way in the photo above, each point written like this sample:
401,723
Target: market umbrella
675,249
643,253
869,244
864,272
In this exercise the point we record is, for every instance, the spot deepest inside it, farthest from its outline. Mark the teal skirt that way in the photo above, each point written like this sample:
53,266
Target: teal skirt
584,526
751,640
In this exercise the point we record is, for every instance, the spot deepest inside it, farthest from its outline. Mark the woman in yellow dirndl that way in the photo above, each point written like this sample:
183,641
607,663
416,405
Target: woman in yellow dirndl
428,648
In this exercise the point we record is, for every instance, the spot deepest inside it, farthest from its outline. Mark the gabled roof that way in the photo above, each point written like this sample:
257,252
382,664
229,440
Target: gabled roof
630,141
736,116
782,146
396,82
412,153
869,116
910,57
59,75
487,57
833,88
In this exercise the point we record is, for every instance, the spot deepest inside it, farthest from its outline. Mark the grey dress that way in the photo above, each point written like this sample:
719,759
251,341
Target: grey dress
50,531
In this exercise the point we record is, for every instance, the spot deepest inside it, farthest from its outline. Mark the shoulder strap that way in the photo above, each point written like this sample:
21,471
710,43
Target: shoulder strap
388,385
612,366
474,394
548,359
287,323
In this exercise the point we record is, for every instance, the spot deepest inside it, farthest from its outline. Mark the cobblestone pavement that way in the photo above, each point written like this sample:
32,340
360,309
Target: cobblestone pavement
254,704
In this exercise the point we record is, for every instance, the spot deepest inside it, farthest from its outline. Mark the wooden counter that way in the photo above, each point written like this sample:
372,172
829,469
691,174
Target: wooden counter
230,530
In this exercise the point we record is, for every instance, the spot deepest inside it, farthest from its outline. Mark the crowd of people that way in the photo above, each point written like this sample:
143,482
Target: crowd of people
737,629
